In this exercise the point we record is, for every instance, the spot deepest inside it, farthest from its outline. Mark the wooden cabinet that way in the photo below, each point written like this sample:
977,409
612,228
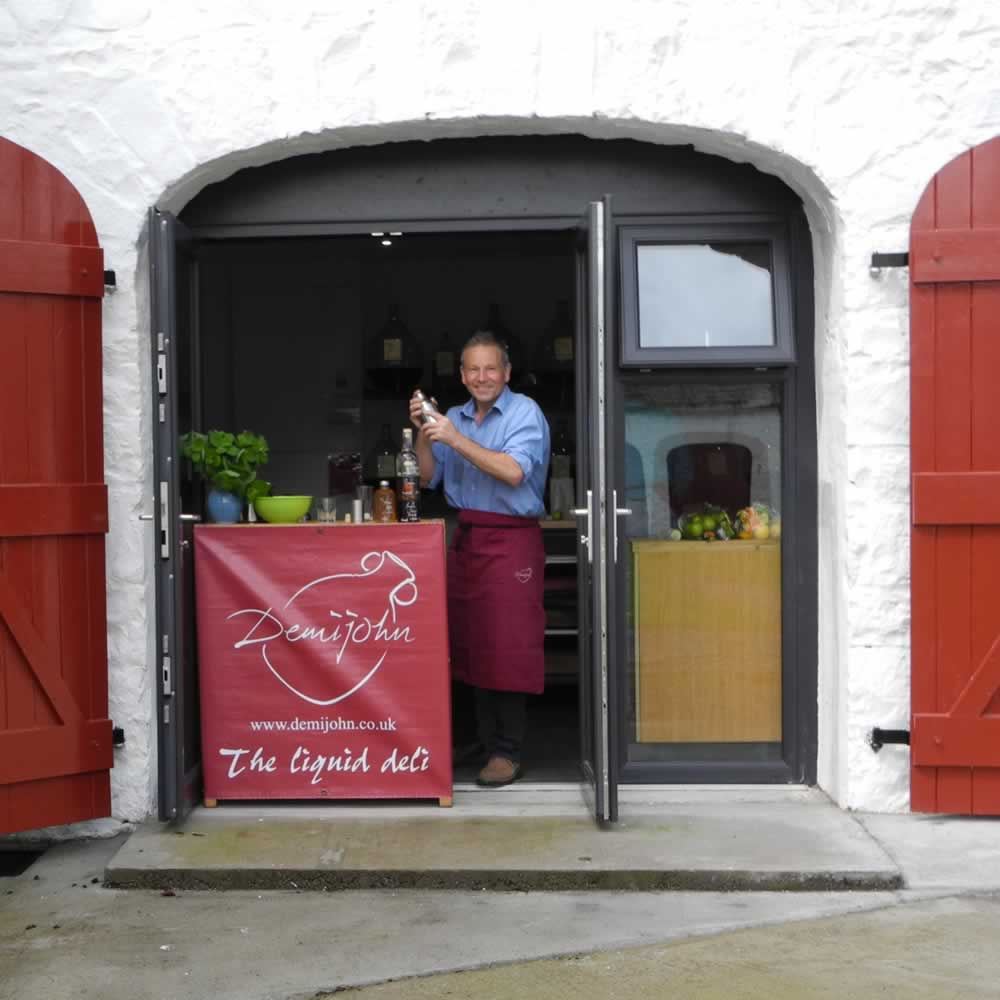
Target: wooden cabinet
707,641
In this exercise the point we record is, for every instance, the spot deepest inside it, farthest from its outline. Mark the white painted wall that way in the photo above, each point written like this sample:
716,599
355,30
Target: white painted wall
855,106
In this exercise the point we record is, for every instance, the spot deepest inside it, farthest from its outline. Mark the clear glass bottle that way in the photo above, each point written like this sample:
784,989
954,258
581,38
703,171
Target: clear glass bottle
384,503
408,479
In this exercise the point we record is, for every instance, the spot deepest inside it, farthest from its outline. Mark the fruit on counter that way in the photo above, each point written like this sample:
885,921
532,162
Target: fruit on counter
692,528
675,535
758,522
710,524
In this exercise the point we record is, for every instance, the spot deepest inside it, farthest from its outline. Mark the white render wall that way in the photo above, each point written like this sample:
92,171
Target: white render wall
855,106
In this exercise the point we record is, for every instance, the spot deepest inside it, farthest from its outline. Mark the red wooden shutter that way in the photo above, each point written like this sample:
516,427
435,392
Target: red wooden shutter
955,465
55,736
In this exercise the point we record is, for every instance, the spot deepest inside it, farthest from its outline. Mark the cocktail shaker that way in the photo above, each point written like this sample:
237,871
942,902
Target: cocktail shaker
428,411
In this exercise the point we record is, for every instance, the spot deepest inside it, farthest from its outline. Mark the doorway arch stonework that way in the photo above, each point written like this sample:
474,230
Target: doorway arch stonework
819,207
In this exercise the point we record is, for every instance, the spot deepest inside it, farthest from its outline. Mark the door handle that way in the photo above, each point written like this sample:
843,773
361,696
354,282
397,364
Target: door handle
197,517
585,512
619,512
145,517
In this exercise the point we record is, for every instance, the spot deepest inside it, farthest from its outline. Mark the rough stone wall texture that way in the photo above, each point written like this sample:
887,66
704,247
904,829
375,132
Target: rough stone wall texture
855,106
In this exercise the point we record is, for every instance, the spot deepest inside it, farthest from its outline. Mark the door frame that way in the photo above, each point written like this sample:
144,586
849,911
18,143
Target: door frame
799,714
177,696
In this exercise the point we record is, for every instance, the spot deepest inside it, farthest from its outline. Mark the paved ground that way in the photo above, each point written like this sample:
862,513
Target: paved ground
63,934
918,950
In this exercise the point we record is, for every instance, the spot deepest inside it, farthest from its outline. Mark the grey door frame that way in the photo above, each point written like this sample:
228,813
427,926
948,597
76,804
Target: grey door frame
178,771
799,714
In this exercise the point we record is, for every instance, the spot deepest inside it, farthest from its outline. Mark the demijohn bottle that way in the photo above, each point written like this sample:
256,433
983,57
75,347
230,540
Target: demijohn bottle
555,349
500,330
394,346
408,479
383,463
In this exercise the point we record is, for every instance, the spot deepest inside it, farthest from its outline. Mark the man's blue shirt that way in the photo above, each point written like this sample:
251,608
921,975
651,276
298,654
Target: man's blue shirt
514,425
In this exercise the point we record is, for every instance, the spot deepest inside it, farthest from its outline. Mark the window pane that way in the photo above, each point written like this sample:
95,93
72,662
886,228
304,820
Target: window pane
703,479
705,295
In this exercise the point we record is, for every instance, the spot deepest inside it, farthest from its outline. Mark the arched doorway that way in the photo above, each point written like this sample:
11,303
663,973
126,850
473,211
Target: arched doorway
690,293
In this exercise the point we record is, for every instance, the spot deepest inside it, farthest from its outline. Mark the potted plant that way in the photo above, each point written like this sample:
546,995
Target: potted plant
228,463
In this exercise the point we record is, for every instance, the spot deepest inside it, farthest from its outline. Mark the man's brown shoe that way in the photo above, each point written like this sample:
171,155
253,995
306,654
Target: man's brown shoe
499,771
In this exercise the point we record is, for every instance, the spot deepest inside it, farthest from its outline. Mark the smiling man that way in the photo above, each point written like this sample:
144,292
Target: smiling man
492,457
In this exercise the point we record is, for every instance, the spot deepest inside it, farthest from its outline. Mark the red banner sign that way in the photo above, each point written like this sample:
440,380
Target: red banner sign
323,661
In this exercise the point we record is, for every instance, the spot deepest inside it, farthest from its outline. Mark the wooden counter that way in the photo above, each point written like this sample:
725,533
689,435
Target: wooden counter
707,626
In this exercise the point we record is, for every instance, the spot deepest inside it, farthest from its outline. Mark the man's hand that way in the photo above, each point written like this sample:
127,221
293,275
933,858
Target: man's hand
415,412
441,431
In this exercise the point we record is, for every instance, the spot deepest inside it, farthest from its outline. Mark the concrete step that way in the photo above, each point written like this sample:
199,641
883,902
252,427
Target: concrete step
525,837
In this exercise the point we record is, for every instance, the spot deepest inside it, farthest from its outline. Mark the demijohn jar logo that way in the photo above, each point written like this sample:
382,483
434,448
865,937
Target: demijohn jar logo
334,633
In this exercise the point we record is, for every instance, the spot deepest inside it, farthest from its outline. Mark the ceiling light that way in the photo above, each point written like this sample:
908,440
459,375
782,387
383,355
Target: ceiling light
378,234
387,243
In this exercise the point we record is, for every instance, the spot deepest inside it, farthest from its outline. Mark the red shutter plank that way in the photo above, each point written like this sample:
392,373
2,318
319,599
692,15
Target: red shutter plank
46,753
59,509
956,498
943,255
945,741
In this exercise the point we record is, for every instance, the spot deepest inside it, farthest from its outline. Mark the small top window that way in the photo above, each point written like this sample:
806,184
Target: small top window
705,295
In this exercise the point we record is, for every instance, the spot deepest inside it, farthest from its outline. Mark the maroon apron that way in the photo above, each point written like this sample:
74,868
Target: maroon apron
496,620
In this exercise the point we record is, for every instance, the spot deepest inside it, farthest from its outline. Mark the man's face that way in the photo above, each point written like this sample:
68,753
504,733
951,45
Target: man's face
484,374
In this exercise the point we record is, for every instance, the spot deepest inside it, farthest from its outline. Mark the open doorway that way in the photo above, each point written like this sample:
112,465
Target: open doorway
317,343
311,323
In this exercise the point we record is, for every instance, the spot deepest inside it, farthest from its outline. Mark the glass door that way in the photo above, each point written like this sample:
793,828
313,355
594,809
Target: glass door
594,545
702,391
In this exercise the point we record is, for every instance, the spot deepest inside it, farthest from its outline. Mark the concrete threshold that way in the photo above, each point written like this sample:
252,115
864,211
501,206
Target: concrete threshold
521,838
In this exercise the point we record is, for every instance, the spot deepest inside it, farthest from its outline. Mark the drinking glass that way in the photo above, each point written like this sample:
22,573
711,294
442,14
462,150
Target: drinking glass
326,509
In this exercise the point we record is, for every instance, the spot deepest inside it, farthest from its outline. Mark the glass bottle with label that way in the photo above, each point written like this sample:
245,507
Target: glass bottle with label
382,460
408,479
384,503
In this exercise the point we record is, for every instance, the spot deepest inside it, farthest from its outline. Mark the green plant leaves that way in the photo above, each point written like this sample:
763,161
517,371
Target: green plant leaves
228,461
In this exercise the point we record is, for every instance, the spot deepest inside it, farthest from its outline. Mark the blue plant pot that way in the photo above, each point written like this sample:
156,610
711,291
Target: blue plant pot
223,507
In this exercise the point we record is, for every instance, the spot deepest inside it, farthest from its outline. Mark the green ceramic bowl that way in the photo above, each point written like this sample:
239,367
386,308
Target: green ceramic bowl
282,510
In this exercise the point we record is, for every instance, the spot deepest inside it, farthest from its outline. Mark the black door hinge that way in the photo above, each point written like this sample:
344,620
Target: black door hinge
878,738
880,260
